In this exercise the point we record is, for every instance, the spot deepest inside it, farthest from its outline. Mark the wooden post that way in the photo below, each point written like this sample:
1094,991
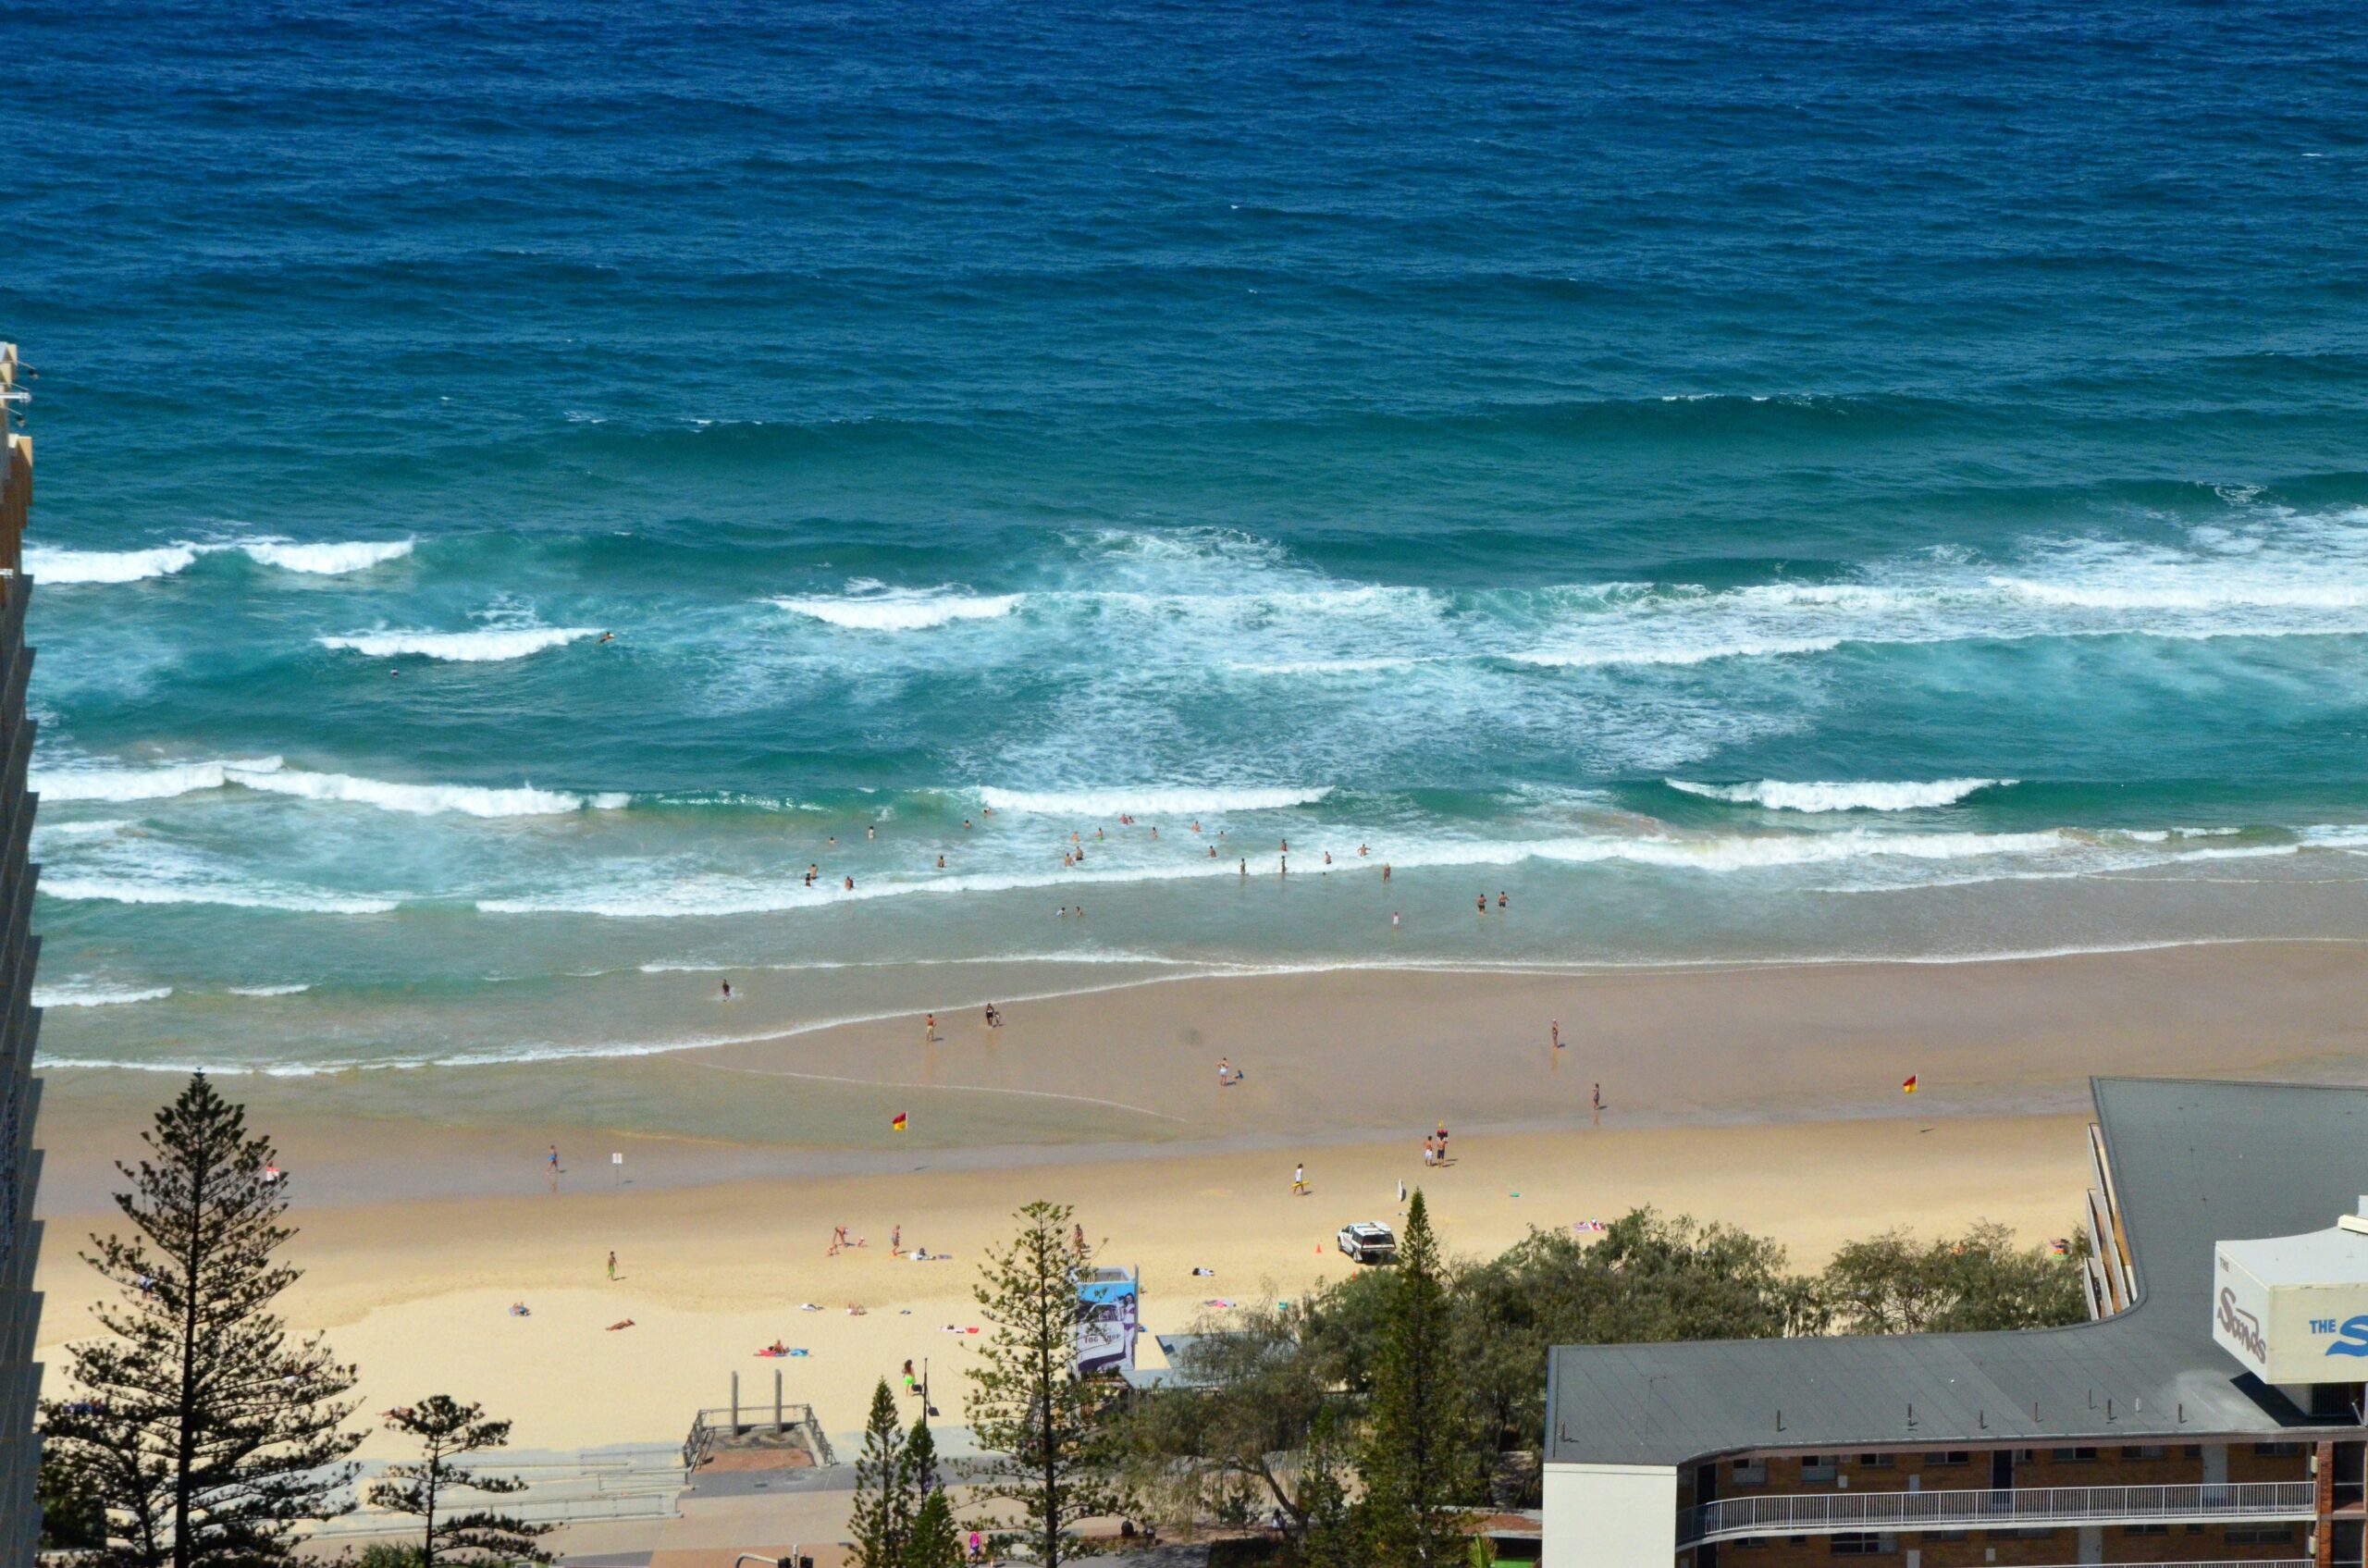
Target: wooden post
777,1421
735,1404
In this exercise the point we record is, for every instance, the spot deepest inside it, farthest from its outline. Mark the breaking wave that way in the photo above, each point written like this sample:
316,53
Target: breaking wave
890,611
129,890
488,646
57,566
1778,796
272,776
160,781
95,994
422,799
1147,799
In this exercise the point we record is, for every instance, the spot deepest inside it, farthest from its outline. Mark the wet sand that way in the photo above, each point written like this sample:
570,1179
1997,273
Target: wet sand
1768,1097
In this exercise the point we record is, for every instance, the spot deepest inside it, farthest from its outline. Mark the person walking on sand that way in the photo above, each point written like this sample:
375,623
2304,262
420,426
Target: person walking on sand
1225,1072
929,1028
1393,919
1298,1179
553,1167
612,1264
1554,1028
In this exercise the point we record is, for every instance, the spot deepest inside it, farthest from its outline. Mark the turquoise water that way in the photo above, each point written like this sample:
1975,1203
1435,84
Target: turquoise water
1826,483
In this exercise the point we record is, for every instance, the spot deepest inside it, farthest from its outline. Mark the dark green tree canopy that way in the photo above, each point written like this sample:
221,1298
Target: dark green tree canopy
207,1433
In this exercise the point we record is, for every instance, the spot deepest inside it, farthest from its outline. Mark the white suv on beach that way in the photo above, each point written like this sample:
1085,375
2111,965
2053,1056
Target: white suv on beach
1368,1242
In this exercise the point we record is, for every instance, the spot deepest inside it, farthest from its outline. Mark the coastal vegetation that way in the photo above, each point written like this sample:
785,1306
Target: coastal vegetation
1051,1434
1367,1422
901,1517
1440,1366
196,1431
447,1431
205,1432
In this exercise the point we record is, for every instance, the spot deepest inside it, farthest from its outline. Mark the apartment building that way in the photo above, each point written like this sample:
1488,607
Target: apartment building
19,1020
2211,1411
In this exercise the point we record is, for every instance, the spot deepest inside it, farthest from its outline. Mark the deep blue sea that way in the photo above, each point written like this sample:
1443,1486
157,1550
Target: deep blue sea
521,482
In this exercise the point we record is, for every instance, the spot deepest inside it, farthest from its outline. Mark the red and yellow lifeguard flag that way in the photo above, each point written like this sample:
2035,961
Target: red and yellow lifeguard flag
1910,1086
897,1125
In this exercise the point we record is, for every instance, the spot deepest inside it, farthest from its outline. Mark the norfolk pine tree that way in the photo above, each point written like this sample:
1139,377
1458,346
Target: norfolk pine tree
207,1433
1417,1449
934,1542
1047,1427
447,1431
917,1466
882,1514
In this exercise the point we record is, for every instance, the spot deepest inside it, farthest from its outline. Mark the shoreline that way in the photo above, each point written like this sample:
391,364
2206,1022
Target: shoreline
1334,1056
1187,970
1765,1097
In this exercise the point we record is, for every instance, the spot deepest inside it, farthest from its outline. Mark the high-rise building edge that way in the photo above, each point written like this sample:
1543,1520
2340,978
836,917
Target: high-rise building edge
19,1020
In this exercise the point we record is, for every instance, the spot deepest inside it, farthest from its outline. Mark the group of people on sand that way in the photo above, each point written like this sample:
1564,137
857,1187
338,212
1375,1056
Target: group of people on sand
1435,1146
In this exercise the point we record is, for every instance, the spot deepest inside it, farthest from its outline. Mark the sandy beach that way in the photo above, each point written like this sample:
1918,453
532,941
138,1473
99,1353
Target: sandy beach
1768,1098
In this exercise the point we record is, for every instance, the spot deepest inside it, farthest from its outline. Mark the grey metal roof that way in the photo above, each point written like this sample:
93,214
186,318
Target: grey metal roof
2193,1162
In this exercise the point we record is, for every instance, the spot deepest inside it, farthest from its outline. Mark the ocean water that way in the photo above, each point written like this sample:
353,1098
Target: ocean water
520,483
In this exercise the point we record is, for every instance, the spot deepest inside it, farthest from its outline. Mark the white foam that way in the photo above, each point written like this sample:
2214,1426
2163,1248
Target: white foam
59,567
901,610
158,782
52,565
1679,653
95,994
122,890
2232,593
1778,796
271,775
418,799
269,989
326,559
1150,800
93,829
488,646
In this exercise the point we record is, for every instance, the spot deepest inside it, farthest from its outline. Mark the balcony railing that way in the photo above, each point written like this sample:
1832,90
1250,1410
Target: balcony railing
1830,1512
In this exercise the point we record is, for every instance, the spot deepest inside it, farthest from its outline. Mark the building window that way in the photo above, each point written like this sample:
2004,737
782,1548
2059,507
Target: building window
1949,1456
1818,1467
1877,1461
2146,1451
2276,1450
2145,1529
1948,1535
2258,1535
2071,1456
2029,1533
1857,1545
1750,1473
